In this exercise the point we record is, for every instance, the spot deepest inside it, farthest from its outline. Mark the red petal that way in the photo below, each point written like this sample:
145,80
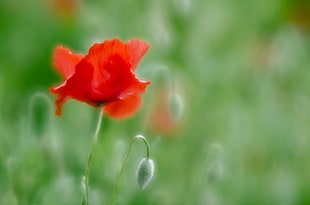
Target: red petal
59,102
77,86
112,72
100,55
123,108
136,86
113,63
136,50
65,61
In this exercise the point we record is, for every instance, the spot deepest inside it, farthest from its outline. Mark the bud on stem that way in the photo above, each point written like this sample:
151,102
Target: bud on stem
145,172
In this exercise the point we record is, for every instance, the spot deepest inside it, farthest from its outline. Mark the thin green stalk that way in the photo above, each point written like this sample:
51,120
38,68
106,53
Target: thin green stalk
148,152
85,179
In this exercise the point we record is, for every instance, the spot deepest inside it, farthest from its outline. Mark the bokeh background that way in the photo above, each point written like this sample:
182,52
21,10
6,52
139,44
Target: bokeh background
227,114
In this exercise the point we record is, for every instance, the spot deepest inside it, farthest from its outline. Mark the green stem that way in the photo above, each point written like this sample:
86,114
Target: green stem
85,179
148,152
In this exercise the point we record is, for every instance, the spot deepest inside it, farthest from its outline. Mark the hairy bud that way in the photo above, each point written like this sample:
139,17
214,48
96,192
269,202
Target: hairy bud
145,172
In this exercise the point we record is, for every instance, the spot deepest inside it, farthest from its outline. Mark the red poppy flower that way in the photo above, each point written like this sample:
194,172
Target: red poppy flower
105,76
161,120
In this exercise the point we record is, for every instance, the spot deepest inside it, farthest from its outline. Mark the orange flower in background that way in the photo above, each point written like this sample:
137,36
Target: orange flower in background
64,8
161,118
299,14
105,76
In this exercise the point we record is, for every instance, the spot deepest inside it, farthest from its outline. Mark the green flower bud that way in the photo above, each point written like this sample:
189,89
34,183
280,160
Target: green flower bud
215,171
215,166
176,105
145,172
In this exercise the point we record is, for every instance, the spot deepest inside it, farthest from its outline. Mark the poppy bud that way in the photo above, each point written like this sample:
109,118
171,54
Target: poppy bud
145,172
39,109
176,106
215,167
215,171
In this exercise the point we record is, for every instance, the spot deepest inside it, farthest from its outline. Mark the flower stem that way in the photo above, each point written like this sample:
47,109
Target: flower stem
147,145
85,179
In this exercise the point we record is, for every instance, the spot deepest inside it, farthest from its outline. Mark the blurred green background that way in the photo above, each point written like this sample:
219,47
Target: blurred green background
237,132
